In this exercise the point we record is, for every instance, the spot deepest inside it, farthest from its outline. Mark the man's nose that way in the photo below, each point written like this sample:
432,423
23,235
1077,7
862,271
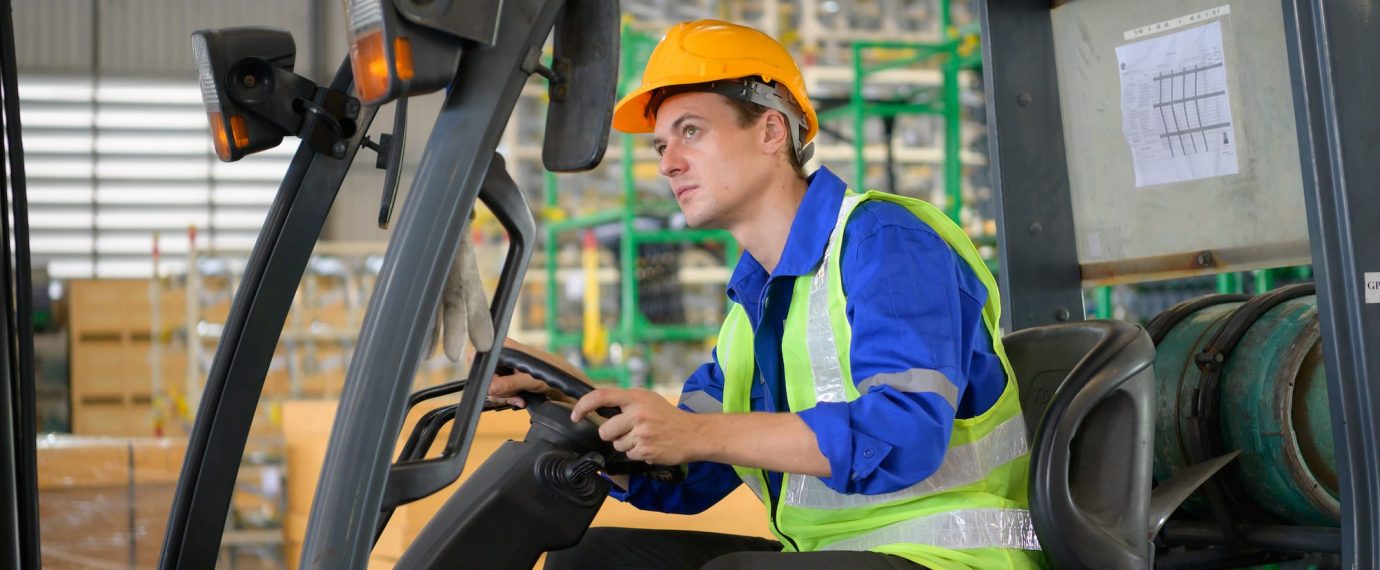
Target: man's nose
672,163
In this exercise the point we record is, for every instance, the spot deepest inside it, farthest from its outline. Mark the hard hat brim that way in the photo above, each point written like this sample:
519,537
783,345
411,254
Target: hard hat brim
630,113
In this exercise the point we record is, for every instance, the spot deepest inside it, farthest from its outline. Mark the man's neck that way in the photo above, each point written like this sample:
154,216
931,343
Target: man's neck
763,233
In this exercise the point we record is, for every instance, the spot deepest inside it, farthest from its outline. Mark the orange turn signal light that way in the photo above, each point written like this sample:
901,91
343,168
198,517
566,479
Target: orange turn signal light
239,132
219,138
370,63
369,59
402,58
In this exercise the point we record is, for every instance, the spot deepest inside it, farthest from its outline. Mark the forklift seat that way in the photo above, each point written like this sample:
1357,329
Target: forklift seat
1087,392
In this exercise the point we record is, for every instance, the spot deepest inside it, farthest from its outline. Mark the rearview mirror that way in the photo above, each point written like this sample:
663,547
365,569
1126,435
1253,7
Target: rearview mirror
585,66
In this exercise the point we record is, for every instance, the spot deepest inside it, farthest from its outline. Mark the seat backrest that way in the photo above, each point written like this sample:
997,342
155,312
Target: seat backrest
1087,392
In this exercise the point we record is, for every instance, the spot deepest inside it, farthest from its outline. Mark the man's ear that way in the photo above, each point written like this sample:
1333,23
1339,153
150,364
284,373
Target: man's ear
776,133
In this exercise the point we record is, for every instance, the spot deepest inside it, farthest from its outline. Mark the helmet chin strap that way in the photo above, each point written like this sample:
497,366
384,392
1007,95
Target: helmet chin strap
772,96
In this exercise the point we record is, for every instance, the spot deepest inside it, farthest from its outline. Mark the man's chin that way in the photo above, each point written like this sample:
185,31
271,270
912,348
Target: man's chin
703,220
700,223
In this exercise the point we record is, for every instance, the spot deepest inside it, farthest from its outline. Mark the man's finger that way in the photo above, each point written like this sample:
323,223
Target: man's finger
501,386
624,444
597,399
504,386
616,427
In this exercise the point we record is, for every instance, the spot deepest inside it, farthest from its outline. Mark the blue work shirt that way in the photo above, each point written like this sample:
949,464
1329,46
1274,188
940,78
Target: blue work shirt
913,303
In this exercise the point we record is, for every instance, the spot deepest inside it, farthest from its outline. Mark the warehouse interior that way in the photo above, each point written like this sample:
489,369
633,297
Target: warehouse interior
1037,127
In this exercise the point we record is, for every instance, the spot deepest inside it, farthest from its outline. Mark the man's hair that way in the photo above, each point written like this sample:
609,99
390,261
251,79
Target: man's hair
749,113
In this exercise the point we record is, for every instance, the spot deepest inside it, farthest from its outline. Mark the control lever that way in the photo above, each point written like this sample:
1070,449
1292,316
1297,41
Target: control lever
390,150
571,476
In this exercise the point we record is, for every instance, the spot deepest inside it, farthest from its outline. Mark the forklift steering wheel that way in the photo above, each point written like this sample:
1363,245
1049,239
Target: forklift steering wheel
555,415
542,366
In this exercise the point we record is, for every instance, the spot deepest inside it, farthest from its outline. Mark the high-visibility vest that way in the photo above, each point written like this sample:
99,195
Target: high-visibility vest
971,513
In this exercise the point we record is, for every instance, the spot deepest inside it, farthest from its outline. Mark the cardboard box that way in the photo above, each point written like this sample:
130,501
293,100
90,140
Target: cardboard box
97,366
105,502
137,366
119,367
121,304
85,528
101,418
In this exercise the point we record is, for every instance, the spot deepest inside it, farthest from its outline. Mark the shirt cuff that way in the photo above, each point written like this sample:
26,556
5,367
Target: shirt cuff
852,455
635,485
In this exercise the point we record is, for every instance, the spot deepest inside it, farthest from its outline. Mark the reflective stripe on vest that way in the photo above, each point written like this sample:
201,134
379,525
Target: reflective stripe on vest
916,381
701,402
819,329
960,529
755,483
963,465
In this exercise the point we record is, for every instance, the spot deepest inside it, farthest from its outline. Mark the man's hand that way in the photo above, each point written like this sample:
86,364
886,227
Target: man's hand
507,389
648,429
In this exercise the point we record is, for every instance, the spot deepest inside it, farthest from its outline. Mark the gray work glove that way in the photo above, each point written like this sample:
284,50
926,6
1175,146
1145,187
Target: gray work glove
464,309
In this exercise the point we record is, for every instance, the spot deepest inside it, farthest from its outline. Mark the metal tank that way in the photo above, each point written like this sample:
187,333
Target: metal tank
1270,402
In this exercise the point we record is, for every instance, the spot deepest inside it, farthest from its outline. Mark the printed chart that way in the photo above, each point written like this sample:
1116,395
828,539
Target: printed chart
1176,113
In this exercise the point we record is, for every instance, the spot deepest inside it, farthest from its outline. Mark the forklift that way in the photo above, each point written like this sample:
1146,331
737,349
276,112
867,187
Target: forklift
1088,387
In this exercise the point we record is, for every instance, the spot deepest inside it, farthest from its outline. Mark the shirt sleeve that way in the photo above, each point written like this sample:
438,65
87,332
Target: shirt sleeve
902,283
705,483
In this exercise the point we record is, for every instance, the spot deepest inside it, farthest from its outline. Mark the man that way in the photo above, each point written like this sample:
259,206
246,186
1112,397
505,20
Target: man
858,387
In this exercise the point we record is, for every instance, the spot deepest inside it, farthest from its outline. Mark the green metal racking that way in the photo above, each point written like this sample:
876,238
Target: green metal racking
955,53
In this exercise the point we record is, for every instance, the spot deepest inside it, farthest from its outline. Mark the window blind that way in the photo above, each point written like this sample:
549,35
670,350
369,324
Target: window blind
112,161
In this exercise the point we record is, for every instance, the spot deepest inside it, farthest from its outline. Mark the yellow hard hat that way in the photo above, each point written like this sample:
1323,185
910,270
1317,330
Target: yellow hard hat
709,51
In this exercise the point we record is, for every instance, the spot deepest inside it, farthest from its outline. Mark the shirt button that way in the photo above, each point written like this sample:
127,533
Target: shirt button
867,453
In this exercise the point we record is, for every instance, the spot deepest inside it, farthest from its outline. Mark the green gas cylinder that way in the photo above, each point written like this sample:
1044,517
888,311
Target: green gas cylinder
1273,406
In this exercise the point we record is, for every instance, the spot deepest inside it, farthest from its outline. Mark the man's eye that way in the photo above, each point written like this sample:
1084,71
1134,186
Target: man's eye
660,150
691,131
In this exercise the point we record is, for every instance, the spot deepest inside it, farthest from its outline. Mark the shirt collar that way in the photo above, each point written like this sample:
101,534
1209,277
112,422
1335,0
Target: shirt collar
814,222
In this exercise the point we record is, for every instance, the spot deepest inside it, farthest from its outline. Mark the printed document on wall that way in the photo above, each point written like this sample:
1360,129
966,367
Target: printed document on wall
1175,111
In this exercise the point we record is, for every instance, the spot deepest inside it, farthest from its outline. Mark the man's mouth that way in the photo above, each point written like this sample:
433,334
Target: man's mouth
681,191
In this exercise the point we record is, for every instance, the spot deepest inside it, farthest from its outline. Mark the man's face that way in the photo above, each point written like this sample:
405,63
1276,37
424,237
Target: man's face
711,162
